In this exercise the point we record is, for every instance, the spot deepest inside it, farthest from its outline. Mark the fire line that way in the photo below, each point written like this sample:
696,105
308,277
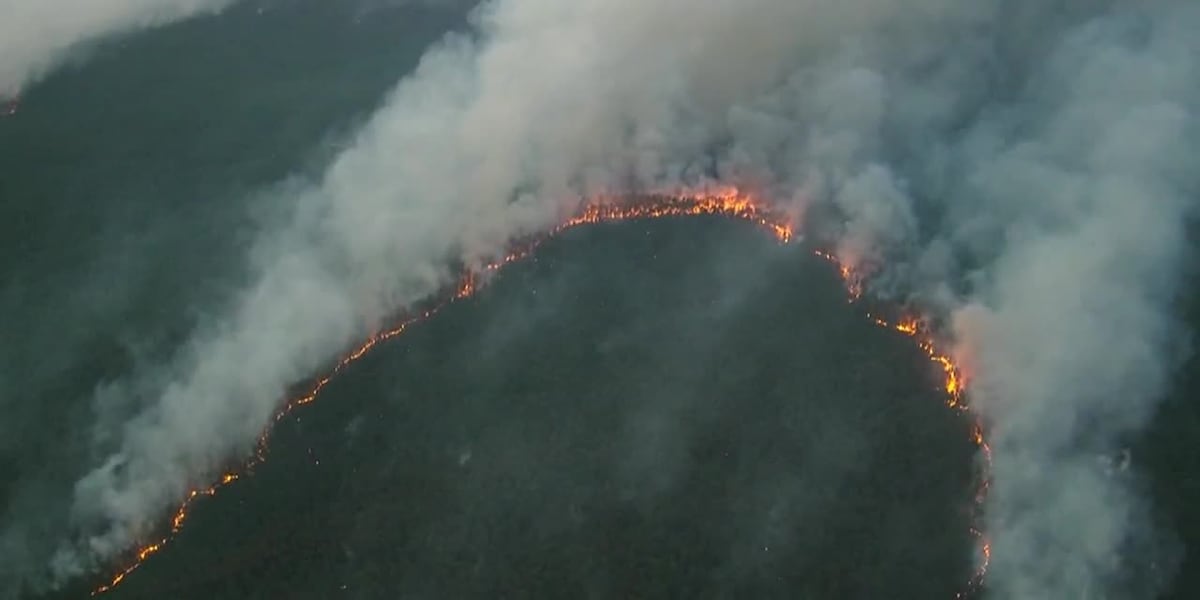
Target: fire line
724,201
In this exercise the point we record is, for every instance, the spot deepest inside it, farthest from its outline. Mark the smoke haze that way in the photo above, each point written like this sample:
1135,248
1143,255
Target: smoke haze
37,36
1020,170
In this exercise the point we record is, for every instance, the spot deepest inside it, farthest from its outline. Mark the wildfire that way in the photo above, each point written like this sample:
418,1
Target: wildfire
852,280
953,384
725,201
181,514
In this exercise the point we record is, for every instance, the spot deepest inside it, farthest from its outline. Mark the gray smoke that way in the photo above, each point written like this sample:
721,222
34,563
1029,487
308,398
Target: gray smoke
1069,329
38,35
1020,168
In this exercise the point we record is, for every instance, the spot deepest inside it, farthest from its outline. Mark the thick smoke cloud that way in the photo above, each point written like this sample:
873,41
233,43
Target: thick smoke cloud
1069,325
36,36
1020,169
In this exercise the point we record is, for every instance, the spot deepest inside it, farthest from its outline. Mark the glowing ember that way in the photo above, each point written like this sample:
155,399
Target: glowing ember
853,281
151,549
726,202
954,384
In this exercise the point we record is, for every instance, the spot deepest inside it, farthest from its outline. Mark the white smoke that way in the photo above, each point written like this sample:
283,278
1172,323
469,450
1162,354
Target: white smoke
1021,167
38,35
1070,325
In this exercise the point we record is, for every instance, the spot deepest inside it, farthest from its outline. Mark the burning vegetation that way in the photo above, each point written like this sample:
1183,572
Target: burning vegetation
725,202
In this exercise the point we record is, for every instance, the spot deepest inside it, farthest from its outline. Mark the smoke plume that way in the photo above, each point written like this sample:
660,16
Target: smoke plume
1019,169
37,36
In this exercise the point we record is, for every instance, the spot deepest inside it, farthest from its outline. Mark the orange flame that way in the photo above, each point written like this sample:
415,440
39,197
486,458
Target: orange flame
150,549
954,384
852,280
723,201
726,202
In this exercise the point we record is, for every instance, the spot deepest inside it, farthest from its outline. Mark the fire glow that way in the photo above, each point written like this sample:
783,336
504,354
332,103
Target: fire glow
724,201
954,385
